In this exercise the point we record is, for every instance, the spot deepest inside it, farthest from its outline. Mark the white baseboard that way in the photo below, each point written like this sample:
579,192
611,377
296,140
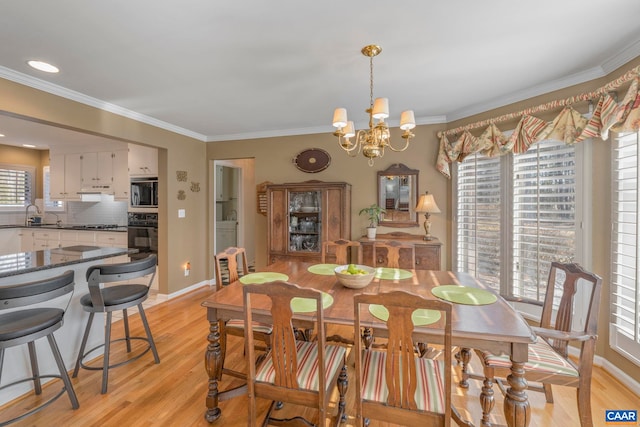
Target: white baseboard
189,289
613,370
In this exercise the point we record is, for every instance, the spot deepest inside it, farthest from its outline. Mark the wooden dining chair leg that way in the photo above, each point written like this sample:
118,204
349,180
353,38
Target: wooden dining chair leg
584,404
343,383
548,393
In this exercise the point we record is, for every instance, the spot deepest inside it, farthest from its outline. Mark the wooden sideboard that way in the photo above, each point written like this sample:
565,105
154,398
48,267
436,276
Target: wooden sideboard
427,251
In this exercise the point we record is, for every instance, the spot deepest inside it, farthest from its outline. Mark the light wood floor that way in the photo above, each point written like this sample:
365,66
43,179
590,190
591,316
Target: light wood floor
173,392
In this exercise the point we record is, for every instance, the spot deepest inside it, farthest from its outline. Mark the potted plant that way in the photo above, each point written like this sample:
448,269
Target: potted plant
373,212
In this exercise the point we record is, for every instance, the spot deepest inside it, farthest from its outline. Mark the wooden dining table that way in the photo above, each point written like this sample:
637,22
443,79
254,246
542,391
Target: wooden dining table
495,327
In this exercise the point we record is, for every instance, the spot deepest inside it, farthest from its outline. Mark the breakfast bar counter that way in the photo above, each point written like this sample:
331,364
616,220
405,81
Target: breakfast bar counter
25,267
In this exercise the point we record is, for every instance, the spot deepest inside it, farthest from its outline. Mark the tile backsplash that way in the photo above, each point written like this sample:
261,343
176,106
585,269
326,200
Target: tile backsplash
77,213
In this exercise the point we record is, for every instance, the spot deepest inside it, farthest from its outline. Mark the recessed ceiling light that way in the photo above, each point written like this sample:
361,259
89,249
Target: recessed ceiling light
43,66
28,146
1,135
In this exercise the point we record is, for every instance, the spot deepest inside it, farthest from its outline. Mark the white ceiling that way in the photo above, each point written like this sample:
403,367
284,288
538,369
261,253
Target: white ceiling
224,70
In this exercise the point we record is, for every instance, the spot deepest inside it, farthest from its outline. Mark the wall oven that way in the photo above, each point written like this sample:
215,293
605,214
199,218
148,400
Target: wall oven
144,193
142,233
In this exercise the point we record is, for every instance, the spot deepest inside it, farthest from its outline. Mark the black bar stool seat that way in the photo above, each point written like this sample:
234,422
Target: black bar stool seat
25,326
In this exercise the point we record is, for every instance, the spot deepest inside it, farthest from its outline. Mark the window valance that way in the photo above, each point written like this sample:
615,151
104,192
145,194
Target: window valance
569,126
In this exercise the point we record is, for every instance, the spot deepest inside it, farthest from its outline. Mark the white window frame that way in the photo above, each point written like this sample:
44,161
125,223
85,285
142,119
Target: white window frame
583,156
49,204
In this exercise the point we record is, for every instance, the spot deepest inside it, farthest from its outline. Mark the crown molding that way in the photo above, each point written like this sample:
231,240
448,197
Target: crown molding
72,95
624,56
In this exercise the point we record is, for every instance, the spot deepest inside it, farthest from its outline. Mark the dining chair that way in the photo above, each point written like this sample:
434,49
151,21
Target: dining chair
118,296
396,385
568,286
26,325
339,251
235,327
389,256
297,372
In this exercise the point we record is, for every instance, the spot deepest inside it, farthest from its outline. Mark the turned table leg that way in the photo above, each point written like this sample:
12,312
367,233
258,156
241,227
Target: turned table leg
367,338
213,362
516,404
465,358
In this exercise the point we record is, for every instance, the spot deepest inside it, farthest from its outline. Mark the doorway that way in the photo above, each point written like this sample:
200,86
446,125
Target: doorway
232,205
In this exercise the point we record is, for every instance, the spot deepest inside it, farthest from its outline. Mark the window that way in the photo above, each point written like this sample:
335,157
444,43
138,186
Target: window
16,186
517,213
624,334
49,205
478,213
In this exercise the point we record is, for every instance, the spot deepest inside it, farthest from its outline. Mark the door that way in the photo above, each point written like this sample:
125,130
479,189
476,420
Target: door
238,209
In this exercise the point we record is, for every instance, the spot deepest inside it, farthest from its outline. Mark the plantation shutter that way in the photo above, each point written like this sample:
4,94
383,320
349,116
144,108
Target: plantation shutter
478,218
624,334
16,186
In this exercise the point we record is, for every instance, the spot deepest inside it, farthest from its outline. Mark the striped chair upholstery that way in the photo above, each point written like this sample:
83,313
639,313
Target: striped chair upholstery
429,396
308,365
542,358
256,326
396,385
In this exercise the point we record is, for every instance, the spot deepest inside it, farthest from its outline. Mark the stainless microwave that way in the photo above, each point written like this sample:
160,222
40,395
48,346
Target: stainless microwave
144,192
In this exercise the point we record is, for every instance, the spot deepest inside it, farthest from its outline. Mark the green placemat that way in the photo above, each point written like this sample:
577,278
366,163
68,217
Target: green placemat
464,295
253,278
392,273
419,317
324,269
308,305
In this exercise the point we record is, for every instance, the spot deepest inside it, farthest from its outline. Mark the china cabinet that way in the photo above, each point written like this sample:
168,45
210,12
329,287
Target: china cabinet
301,216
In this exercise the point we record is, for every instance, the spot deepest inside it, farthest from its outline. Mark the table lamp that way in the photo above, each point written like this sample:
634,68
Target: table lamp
427,205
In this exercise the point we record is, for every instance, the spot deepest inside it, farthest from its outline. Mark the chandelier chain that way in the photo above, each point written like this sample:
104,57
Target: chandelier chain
371,82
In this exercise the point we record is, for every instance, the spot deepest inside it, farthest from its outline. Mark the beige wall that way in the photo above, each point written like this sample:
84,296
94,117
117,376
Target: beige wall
273,162
180,239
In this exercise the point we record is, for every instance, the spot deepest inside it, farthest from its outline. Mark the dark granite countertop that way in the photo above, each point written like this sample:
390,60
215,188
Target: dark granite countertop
27,262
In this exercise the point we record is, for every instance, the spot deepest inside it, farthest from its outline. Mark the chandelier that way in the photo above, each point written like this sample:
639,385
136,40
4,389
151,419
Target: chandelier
373,141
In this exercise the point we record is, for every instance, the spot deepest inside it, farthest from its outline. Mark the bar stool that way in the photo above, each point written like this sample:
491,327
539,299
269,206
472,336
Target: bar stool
27,325
101,299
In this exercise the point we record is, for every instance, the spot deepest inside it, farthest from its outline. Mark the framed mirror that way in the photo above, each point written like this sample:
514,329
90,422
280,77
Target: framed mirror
398,195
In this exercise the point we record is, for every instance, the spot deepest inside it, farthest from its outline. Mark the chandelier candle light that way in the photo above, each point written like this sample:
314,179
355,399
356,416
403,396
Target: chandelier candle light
374,140
427,205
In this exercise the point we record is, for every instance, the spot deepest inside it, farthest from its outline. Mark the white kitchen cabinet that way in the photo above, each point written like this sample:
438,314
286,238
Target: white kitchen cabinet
65,179
10,241
223,184
143,161
45,239
120,172
26,240
106,171
111,239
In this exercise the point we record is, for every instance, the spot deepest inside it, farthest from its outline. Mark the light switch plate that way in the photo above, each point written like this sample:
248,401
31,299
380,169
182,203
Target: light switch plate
181,213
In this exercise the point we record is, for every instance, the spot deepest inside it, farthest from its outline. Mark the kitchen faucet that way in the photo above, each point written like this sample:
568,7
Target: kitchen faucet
58,220
26,214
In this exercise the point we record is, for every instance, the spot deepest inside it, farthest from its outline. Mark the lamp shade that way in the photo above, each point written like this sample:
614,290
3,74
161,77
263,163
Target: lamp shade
380,108
407,120
349,130
427,204
340,117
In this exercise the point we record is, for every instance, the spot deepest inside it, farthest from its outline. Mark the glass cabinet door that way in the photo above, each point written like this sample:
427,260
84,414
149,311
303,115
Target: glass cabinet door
305,224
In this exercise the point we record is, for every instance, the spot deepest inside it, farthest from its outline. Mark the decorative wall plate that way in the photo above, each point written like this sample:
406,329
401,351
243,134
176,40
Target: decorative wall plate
312,160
